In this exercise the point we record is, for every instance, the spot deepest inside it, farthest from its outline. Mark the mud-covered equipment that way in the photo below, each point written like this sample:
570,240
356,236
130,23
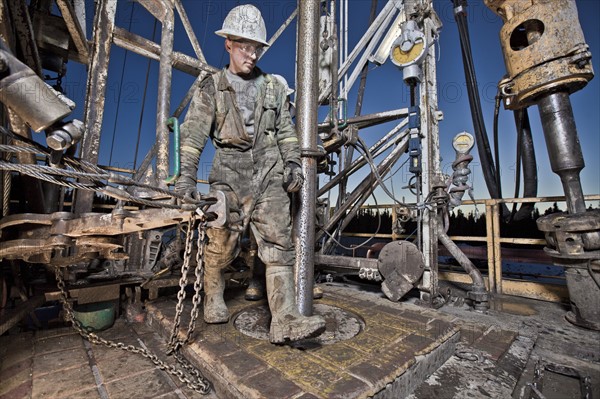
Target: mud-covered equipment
245,22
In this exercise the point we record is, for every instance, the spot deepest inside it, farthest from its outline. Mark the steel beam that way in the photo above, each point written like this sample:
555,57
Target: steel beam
149,49
104,23
75,29
165,76
431,159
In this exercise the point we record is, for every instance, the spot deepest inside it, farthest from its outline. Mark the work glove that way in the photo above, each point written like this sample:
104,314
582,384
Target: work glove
292,177
187,189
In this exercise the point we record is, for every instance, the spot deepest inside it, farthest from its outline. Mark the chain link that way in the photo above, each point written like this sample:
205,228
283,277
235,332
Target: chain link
199,276
174,342
198,382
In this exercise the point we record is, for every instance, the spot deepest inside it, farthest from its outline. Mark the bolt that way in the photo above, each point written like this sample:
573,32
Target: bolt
56,142
582,63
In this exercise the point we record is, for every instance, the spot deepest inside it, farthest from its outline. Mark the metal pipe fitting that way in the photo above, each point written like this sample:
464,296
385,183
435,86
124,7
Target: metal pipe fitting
27,94
479,295
544,49
564,150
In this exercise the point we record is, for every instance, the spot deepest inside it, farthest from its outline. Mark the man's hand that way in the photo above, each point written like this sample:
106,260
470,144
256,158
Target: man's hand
188,192
292,179
192,195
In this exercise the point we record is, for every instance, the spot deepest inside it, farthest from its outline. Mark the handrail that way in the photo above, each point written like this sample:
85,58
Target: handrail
495,282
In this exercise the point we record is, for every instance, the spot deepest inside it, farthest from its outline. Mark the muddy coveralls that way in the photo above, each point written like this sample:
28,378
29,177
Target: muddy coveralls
250,171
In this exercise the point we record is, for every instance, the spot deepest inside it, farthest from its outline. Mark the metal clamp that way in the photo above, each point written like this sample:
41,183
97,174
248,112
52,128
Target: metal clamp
368,273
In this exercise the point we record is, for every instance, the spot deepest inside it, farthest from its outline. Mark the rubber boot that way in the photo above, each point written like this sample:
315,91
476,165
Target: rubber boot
317,292
256,287
255,290
287,324
215,310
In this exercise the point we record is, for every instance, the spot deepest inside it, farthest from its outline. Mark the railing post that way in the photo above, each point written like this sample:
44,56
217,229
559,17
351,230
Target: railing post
497,248
489,227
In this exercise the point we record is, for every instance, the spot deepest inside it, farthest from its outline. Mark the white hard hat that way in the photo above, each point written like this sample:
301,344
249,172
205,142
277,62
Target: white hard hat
245,22
284,82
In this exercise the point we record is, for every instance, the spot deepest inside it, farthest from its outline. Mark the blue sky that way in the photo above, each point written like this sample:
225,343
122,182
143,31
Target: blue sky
385,88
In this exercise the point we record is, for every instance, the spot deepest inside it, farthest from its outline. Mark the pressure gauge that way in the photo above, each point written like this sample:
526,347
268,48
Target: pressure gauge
463,142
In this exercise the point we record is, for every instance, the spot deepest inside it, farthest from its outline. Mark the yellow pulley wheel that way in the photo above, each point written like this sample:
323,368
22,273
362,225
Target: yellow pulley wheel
404,57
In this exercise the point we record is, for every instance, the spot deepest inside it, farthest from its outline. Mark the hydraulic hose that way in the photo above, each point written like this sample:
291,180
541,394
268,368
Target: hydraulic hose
492,180
525,160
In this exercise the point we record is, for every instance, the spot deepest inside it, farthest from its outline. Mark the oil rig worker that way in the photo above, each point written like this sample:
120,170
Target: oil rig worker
245,113
256,287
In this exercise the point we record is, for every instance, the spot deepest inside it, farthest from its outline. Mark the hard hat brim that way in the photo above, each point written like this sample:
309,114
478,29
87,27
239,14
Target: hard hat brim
226,33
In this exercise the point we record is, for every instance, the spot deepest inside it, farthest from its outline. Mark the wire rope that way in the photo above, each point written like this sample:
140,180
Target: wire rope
363,149
81,169
364,242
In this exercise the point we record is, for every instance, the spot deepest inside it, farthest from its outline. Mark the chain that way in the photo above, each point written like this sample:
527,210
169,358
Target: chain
199,275
198,383
174,342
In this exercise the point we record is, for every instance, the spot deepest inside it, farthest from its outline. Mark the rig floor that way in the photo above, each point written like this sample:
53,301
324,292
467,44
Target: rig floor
518,348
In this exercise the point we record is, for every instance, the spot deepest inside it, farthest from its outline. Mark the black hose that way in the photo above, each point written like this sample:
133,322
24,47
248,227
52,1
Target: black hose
525,160
496,135
492,180
518,114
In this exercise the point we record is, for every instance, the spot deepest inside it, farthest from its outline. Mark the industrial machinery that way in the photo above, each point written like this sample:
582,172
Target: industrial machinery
547,59
56,216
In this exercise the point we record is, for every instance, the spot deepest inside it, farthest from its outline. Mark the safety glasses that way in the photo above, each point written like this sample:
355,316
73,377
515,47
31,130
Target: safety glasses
250,49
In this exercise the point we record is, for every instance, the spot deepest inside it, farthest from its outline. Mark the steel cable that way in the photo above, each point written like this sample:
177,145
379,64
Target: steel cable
81,169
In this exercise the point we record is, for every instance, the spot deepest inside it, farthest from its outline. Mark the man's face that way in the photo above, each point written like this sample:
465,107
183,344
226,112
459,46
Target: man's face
243,55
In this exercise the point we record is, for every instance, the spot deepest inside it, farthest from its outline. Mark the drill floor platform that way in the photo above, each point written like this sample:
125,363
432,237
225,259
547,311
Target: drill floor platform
397,354
397,349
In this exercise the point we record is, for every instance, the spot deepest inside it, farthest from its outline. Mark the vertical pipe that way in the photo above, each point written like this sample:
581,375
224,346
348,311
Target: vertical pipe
489,228
564,150
394,223
497,247
306,108
428,102
32,188
163,105
104,24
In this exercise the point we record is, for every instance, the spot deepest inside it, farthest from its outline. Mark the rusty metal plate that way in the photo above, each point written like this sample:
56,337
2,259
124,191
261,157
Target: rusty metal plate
401,264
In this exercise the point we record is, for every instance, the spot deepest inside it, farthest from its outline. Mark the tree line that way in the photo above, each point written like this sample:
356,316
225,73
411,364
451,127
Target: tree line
461,224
